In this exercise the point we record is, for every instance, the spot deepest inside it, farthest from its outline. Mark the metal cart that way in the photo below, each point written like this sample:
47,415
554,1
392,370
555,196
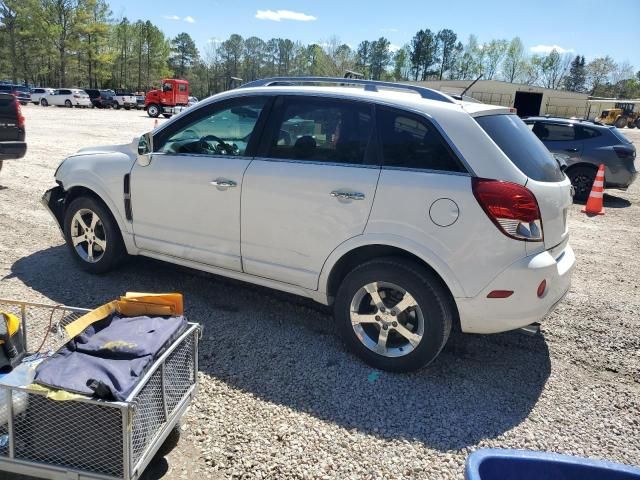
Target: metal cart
88,438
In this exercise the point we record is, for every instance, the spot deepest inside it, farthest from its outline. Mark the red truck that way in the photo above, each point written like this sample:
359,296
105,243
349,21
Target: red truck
170,99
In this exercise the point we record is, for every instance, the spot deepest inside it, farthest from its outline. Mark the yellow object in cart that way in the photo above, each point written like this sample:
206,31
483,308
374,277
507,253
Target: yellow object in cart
132,304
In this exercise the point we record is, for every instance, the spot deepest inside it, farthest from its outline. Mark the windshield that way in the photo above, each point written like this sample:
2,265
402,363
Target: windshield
522,147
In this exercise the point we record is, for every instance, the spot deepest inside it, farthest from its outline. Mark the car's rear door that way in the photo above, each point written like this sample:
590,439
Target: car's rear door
186,202
311,188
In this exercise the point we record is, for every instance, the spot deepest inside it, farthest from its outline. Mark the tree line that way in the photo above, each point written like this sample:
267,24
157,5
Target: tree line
80,43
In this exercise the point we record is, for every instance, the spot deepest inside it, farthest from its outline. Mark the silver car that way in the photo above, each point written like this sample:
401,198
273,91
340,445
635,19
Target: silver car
585,145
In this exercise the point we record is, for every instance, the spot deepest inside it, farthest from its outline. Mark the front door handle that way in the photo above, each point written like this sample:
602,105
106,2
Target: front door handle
347,195
573,150
223,183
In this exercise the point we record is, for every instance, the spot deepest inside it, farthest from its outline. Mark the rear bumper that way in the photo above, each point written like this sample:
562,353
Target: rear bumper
492,315
53,200
12,150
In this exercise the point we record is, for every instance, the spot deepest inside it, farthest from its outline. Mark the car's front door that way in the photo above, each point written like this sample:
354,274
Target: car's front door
560,138
310,189
186,202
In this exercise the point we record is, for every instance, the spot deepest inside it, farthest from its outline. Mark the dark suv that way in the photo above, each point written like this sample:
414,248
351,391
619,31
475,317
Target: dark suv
100,98
20,92
585,145
12,144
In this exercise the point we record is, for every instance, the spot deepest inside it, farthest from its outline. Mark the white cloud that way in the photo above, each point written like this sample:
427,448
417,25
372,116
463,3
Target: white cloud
188,18
548,48
394,48
277,15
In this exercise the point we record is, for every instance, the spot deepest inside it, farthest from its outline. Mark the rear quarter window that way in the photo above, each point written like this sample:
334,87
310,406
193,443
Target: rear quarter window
517,142
619,135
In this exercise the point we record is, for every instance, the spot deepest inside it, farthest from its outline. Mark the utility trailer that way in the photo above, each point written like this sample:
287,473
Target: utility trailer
90,439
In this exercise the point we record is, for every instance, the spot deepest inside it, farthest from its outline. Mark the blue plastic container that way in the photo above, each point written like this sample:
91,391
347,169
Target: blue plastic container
496,464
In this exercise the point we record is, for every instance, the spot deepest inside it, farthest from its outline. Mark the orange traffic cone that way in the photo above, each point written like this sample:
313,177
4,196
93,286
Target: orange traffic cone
155,124
594,202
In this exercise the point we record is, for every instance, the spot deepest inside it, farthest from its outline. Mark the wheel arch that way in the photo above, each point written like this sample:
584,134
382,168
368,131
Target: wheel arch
362,253
580,164
77,191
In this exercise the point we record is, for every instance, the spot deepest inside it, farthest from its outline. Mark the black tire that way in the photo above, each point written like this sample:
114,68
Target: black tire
0,165
637,123
431,298
621,122
127,108
43,102
107,231
24,104
582,178
68,104
165,115
171,441
631,125
153,110
116,106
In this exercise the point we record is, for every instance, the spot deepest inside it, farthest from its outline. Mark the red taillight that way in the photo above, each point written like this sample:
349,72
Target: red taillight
19,115
625,152
500,294
512,207
542,288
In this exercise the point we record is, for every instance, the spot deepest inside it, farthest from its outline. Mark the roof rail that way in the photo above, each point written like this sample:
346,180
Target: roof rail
369,85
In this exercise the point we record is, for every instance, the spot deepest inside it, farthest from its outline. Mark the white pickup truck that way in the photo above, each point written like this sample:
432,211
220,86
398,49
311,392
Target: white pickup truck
124,100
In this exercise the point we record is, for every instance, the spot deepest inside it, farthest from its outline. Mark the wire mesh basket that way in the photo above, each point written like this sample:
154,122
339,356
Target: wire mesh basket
89,438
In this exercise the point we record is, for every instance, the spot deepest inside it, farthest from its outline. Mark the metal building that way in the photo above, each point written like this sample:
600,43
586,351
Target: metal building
528,100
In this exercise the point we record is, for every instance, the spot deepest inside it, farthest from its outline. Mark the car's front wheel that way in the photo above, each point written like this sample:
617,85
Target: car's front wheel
394,314
92,235
68,104
153,110
44,102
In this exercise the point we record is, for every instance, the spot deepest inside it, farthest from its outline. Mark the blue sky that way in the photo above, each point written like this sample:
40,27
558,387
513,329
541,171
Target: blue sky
586,27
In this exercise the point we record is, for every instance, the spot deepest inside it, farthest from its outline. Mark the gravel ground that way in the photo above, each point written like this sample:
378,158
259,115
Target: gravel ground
281,398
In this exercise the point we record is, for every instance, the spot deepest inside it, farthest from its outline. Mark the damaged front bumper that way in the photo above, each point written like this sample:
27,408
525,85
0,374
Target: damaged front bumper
53,200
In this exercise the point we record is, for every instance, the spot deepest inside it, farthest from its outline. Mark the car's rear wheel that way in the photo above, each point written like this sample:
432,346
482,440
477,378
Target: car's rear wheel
638,122
44,102
92,235
394,314
582,180
116,105
631,125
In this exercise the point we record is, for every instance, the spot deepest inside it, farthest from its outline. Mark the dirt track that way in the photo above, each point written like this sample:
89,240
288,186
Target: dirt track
281,398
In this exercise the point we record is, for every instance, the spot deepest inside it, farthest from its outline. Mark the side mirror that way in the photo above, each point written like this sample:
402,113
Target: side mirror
145,148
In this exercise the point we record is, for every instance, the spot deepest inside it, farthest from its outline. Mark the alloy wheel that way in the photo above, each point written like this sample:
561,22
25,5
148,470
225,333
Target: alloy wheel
387,319
88,235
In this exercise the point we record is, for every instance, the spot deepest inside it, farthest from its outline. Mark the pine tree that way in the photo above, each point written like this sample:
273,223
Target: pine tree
576,80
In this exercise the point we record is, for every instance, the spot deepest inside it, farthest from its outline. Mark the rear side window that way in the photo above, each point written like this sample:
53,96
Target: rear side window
553,132
587,133
522,147
322,130
409,141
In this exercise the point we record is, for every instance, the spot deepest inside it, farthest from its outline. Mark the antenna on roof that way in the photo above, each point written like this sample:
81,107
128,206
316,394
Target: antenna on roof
472,84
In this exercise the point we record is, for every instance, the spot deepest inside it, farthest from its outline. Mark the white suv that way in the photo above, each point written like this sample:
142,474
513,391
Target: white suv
66,97
407,210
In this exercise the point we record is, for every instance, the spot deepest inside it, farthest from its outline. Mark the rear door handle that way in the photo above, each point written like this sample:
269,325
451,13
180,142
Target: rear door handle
347,195
572,150
223,183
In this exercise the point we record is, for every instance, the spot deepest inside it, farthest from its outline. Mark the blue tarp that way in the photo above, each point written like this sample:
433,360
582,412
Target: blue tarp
109,358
